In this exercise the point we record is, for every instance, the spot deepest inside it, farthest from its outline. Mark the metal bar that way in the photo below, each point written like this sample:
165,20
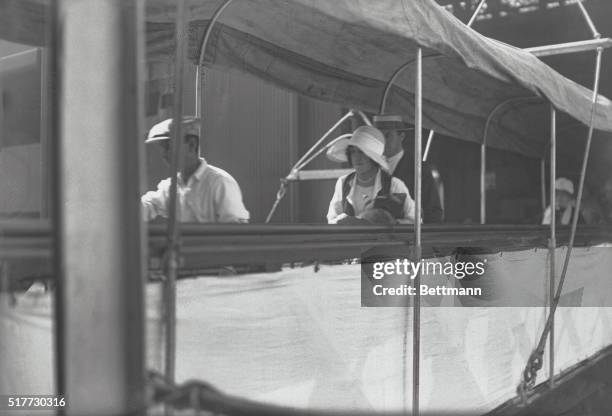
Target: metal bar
297,169
483,151
587,18
483,190
365,118
101,240
305,159
300,163
543,183
553,236
476,12
585,161
398,71
56,203
173,235
429,140
203,45
45,160
537,353
570,47
416,323
318,174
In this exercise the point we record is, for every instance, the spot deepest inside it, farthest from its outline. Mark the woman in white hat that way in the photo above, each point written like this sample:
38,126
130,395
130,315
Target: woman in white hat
369,192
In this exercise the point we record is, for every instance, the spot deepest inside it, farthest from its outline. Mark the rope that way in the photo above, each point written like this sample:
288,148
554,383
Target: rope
282,190
536,358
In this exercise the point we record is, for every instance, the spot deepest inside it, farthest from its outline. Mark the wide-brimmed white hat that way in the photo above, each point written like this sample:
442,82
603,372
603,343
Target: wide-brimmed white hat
564,184
368,139
163,129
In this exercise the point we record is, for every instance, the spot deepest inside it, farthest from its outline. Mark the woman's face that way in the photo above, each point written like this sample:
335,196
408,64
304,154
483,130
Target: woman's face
360,162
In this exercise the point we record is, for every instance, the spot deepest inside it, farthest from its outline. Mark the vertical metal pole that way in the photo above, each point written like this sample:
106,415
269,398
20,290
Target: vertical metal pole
173,234
101,245
543,183
416,323
483,191
44,132
553,236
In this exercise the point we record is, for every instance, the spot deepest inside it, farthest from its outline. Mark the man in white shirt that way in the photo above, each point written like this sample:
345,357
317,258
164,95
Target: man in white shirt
205,193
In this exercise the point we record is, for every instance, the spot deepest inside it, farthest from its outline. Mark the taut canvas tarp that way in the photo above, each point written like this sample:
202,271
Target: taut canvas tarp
345,51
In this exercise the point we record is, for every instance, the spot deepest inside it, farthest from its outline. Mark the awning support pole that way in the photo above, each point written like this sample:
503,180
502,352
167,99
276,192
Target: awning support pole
416,324
475,14
203,45
570,47
543,182
309,157
305,159
429,140
173,231
483,190
100,237
553,237
483,150
589,22
300,163
535,359
383,102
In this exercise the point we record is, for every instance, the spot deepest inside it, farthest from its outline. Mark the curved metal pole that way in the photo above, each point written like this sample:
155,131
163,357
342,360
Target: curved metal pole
483,151
398,71
198,98
173,229
383,102
553,237
416,323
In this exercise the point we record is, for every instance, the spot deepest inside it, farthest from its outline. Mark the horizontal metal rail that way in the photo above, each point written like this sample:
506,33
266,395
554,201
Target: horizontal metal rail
570,47
30,247
317,174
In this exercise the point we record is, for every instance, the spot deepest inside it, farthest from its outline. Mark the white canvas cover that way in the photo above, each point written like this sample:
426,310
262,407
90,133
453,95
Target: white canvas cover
301,338
345,51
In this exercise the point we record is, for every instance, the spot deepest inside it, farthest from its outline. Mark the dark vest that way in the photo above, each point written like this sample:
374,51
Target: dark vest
431,207
383,199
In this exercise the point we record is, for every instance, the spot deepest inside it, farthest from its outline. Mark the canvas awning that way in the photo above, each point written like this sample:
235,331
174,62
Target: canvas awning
345,52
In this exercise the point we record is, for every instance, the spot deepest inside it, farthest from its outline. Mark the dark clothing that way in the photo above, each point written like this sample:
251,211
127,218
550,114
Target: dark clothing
430,199
392,203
